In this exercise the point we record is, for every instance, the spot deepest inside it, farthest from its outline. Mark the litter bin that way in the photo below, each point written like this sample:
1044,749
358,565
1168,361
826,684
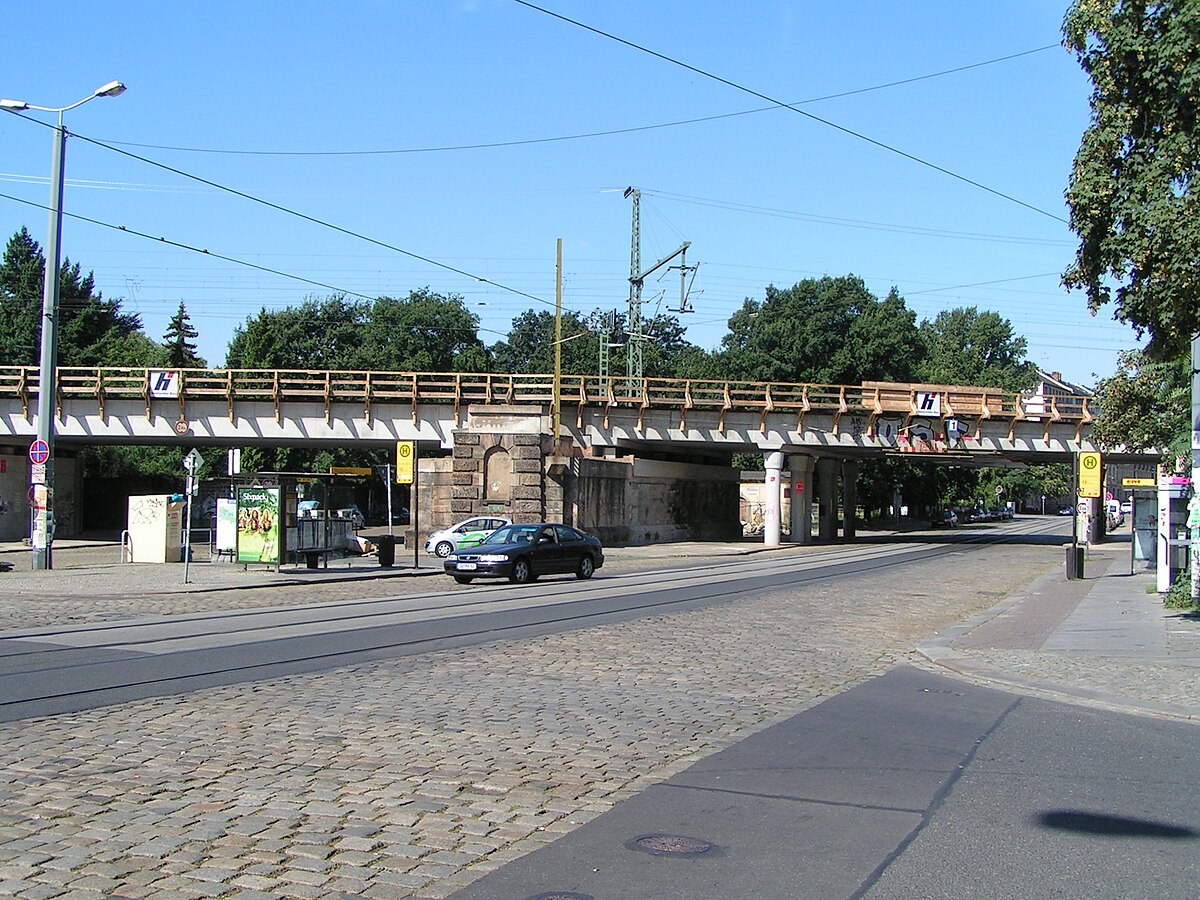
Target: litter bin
387,550
1074,563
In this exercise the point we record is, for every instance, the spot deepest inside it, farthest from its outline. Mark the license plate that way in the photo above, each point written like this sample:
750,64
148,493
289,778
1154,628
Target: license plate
467,567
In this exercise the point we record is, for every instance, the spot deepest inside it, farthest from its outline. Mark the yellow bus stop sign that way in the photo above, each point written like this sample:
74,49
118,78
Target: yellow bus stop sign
1089,475
406,456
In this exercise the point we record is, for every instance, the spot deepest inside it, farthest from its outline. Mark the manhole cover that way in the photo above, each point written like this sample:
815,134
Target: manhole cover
671,844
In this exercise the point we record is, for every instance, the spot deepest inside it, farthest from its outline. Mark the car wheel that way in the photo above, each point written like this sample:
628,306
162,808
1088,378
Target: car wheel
586,567
463,579
443,549
522,572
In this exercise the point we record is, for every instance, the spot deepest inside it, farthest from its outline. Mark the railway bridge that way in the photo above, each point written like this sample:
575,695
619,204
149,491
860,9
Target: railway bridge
633,460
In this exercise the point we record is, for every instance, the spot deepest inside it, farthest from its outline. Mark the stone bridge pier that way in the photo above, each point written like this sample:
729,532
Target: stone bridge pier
504,462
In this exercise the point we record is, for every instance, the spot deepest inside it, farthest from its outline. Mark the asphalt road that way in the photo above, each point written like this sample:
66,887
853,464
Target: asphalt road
911,785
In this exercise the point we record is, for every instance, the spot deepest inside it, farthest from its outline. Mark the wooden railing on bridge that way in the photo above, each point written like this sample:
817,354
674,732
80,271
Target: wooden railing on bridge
364,388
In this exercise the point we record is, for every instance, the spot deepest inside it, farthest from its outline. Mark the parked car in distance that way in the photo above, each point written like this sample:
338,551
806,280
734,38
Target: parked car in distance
353,513
1066,510
524,552
944,518
467,533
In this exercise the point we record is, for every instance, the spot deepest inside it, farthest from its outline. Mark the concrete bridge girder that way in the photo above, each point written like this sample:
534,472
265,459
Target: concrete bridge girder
254,423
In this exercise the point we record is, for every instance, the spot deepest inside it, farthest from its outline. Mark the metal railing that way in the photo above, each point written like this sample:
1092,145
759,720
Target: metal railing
367,388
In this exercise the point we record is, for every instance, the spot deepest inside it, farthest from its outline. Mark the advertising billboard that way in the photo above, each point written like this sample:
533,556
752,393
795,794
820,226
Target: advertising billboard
258,526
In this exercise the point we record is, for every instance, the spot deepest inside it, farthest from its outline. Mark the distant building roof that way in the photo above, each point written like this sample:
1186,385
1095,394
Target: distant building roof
1054,383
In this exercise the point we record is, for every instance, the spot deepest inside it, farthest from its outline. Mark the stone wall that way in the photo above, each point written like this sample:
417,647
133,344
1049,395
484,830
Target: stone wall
637,501
622,501
503,463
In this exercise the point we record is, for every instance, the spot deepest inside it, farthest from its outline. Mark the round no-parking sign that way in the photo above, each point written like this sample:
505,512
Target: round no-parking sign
39,452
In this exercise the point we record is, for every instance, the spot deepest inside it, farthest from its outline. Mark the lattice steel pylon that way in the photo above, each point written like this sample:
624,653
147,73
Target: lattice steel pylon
633,327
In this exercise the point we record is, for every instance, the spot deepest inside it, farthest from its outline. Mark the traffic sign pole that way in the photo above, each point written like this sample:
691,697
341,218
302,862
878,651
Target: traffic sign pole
191,465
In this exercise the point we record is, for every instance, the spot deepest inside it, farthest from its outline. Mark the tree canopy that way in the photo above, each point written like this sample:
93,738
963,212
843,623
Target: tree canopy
424,332
969,347
317,334
1133,189
823,330
530,345
1146,404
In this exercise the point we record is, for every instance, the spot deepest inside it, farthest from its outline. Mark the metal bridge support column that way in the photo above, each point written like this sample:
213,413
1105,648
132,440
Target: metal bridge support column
801,468
826,499
771,492
849,497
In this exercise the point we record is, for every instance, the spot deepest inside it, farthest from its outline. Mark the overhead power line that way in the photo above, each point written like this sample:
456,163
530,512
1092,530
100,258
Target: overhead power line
304,216
633,129
314,220
793,107
229,259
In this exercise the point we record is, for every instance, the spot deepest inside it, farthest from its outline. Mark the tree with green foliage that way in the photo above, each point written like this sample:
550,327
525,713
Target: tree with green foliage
968,347
668,348
21,300
317,334
423,332
529,347
92,331
825,331
1134,194
180,341
1146,405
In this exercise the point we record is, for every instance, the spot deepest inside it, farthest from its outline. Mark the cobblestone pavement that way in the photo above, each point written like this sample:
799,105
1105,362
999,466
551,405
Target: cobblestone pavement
414,777
89,585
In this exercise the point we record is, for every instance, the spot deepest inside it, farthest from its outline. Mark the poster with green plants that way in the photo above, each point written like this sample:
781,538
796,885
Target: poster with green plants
258,525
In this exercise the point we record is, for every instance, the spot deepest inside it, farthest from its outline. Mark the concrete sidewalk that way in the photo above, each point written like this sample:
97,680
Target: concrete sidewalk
1105,639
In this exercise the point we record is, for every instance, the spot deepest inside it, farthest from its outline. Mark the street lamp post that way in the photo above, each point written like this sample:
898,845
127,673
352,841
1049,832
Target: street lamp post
42,491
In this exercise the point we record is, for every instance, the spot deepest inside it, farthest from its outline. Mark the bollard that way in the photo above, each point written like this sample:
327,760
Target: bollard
1074,563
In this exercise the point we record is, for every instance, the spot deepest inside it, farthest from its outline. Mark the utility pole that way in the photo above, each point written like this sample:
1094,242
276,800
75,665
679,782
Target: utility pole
1194,512
558,342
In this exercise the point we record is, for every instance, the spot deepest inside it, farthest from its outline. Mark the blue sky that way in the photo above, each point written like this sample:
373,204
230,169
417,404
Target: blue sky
346,114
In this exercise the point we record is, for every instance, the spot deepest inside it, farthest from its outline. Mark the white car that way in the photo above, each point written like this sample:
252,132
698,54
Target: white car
467,533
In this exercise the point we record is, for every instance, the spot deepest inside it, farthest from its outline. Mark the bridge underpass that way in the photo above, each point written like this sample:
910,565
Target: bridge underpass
579,448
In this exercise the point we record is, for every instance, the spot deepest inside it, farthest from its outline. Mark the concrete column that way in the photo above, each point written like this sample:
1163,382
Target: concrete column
849,497
801,468
826,499
771,491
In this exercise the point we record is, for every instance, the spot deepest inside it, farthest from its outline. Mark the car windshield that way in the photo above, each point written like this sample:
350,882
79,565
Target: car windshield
512,534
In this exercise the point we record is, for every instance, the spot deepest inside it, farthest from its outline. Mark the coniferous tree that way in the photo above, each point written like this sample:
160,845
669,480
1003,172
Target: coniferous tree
92,331
179,341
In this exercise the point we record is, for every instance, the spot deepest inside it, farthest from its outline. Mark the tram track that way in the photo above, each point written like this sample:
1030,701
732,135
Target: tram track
49,670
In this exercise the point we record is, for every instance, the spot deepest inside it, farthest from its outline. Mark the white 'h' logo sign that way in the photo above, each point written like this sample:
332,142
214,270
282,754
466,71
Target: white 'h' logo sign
164,384
929,403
